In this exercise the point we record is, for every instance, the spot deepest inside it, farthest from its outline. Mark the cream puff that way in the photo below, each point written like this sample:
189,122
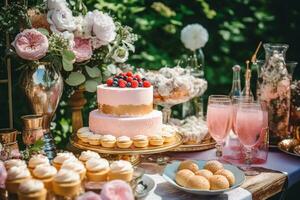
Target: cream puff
121,170
45,173
66,183
198,182
14,163
95,139
140,141
228,174
37,160
84,136
61,158
15,176
76,166
156,140
108,141
204,172
97,169
86,155
188,164
124,142
32,189
218,182
213,166
182,177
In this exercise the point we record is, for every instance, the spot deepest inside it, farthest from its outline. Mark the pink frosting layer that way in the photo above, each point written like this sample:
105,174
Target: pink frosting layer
130,126
115,96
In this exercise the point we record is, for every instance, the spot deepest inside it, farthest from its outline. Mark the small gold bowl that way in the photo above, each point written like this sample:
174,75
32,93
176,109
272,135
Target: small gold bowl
8,135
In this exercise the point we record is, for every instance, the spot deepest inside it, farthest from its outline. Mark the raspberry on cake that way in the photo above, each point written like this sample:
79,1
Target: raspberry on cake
129,80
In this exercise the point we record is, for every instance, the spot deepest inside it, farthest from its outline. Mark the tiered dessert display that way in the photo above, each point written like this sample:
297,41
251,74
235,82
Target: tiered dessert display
125,122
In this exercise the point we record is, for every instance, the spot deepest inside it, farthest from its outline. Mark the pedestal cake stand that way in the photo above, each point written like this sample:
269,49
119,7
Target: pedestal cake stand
132,154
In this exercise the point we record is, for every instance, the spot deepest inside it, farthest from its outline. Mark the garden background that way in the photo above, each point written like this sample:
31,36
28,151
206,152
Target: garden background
235,28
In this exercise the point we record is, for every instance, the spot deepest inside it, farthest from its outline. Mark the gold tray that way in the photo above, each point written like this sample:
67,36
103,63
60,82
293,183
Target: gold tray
205,145
76,142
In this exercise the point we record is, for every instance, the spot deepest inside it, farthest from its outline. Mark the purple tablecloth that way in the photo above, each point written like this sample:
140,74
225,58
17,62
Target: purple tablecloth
276,161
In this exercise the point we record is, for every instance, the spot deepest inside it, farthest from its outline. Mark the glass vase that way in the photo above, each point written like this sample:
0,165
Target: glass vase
274,82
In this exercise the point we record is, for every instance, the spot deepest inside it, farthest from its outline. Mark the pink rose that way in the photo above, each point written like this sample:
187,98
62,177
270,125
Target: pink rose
82,49
31,44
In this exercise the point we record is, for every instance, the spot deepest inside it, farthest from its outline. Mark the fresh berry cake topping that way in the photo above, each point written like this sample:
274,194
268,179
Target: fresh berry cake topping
128,80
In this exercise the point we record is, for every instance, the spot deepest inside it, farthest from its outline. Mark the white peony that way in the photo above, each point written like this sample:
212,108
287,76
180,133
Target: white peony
57,4
84,26
103,27
120,55
61,20
194,36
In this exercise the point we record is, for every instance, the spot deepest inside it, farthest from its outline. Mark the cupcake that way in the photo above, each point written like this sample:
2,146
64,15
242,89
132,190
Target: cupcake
84,136
66,183
169,137
37,160
124,142
228,174
61,158
95,139
213,166
32,189
86,155
117,189
218,182
188,164
182,177
121,170
140,141
15,176
198,182
156,140
14,163
97,169
108,141
45,173
76,166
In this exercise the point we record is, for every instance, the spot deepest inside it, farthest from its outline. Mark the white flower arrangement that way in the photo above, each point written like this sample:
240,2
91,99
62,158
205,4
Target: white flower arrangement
194,36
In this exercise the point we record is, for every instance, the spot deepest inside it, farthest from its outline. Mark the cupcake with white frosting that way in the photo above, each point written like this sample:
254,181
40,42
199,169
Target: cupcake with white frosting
108,141
121,170
124,142
86,155
15,176
61,158
97,169
37,160
45,173
32,189
76,166
14,163
66,183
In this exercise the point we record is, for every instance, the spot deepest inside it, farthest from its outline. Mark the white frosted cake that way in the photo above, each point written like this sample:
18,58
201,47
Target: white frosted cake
125,108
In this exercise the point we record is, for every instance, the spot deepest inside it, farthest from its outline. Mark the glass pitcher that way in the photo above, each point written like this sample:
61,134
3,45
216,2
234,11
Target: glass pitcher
274,81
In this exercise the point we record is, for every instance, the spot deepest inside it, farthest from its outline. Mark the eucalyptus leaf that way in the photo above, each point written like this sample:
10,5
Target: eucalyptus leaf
68,58
43,31
93,72
75,79
67,65
91,85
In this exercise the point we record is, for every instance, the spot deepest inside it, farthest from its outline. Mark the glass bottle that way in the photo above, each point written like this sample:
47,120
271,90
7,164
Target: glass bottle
274,90
247,89
236,82
195,63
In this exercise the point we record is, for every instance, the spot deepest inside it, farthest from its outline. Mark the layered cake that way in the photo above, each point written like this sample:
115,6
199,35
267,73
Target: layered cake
125,108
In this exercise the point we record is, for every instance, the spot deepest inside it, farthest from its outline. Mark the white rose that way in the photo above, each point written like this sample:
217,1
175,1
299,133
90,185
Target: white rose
120,55
61,20
83,26
103,27
57,4
194,36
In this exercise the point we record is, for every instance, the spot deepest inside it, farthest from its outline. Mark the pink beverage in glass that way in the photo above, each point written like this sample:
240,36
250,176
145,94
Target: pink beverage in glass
219,120
249,126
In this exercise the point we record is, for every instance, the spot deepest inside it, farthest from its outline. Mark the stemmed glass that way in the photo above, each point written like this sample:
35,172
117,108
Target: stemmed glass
219,119
249,125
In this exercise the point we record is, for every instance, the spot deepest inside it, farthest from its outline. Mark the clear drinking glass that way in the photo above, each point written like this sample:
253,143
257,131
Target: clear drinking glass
250,122
219,119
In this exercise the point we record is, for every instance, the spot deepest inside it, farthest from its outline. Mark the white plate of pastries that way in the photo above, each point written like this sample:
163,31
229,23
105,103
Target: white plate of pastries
203,177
